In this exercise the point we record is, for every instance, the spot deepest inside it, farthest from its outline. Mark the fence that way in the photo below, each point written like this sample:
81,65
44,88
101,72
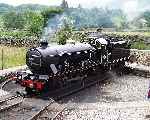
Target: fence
12,56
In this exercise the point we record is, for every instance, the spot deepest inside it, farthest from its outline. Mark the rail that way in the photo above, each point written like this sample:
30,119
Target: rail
35,116
6,104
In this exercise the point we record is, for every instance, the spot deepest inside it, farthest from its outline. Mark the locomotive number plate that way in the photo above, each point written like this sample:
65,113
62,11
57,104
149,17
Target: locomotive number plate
43,77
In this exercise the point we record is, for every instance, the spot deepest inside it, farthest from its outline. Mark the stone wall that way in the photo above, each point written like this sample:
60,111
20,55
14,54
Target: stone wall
141,56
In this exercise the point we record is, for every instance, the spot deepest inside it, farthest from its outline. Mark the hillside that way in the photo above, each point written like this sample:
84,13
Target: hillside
4,8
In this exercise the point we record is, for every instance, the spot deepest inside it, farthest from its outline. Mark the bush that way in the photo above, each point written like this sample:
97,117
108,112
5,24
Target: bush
140,45
30,21
64,34
49,13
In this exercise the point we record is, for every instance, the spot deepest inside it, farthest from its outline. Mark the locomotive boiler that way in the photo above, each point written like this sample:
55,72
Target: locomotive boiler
57,66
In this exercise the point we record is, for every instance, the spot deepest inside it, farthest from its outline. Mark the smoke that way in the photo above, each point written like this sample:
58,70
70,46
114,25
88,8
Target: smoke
89,3
54,24
132,8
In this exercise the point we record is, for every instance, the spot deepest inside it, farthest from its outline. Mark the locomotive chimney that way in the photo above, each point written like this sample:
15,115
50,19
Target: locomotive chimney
43,43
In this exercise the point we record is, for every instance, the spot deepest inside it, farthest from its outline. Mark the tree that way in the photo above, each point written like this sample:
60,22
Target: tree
1,23
146,16
64,33
119,20
34,23
79,6
13,20
49,13
64,4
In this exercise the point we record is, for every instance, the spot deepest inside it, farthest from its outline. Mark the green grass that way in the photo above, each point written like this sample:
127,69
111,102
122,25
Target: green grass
140,45
13,56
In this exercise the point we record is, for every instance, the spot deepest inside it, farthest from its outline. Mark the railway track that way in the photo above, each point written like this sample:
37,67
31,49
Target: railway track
10,102
55,111
38,109
52,111
34,111
4,83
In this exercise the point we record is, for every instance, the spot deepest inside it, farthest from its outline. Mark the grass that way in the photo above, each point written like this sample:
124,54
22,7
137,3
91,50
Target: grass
12,56
140,45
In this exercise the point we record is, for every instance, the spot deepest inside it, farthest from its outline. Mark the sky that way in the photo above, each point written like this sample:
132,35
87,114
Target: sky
125,4
130,7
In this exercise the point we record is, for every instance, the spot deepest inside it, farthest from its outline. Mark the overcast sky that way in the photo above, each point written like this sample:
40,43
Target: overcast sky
131,7
130,4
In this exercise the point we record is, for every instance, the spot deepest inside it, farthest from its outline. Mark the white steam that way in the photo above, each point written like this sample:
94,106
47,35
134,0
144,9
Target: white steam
54,24
130,8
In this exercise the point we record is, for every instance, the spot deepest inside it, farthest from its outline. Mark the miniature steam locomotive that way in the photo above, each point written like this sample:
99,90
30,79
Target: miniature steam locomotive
56,66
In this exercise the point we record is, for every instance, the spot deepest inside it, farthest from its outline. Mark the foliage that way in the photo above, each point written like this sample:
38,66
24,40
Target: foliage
64,4
140,45
1,23
30,7
96,17
13,20
64,34
34,23
4,8
83,18
49,13
79,36
120,22
146,16
28,20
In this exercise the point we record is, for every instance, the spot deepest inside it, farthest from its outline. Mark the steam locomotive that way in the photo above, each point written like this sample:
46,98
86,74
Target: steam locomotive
61,65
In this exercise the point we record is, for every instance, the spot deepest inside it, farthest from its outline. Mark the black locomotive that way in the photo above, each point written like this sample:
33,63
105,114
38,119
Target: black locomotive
56,66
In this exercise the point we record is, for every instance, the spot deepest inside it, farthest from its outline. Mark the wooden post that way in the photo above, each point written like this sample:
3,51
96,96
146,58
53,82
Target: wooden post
2,58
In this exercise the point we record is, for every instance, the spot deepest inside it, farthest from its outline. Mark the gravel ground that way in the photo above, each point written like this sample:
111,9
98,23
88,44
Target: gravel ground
24,111
120,98
14,69
12,87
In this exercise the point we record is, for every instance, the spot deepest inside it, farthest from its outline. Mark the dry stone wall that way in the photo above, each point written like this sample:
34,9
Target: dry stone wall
141,56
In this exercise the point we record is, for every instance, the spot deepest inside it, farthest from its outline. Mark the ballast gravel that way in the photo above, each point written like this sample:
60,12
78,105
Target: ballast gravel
119,98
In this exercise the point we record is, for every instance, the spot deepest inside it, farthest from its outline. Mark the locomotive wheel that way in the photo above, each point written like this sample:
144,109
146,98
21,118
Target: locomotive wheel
132,59
120,68
91,72
104,69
